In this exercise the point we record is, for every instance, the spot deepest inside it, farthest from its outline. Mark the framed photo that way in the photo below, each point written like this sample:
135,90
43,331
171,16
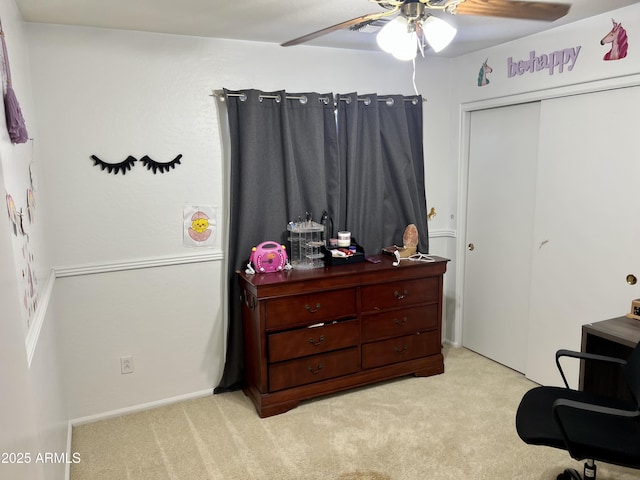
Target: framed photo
635,309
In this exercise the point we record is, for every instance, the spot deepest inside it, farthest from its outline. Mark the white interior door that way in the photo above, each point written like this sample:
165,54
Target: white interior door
503,155
587,222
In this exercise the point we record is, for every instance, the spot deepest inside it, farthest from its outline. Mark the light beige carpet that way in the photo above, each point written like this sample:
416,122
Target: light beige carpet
459,425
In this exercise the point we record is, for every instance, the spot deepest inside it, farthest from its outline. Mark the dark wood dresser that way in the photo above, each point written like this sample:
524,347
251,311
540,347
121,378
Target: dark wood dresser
314,332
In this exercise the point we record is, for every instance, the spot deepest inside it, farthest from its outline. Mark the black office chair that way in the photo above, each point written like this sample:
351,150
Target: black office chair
588,426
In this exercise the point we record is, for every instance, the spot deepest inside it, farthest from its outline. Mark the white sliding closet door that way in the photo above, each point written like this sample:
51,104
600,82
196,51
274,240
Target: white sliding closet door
500,206
587,221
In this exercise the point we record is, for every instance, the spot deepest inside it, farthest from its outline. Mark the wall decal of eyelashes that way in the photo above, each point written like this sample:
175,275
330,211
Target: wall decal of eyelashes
163,167
115,168
129,162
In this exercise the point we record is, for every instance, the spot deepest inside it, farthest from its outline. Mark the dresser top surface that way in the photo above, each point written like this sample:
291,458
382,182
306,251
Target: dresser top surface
341,273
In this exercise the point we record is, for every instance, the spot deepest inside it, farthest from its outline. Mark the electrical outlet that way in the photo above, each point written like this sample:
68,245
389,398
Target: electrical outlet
126,364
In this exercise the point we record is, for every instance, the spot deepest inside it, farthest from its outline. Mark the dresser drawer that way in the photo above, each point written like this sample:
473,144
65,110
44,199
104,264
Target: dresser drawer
399,322
400,294
310,341
311,308
400,349
313,369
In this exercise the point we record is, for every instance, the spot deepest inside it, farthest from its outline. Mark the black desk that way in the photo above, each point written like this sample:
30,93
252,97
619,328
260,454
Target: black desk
615,337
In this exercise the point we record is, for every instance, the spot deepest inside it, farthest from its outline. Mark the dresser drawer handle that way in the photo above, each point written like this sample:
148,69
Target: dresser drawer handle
309,309
248,299
399,295
401,350
313,342
317,370
400,322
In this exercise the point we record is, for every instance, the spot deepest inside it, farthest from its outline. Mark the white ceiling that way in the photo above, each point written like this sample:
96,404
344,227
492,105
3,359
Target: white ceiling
276,21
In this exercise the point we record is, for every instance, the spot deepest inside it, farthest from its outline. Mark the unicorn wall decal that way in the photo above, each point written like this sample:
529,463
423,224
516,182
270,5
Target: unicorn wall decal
485,69
617,37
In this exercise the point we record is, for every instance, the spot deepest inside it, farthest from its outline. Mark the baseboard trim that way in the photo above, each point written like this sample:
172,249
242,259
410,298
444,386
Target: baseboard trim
67,468
138,408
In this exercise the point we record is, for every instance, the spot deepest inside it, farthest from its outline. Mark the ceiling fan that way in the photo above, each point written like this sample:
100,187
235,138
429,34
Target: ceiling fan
421,28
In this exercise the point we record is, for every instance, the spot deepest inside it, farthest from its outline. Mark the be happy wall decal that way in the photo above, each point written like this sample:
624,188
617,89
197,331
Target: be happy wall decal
554,61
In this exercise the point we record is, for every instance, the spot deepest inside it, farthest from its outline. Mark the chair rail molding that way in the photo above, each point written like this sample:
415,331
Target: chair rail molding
137,263
442,233
38,318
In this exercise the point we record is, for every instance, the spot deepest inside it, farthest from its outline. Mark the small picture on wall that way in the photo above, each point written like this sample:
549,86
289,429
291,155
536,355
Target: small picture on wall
483,74
618,42
13,213
28,281
199,226
31,205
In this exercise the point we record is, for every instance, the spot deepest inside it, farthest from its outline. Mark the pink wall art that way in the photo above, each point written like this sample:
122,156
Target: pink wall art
617,37
199,224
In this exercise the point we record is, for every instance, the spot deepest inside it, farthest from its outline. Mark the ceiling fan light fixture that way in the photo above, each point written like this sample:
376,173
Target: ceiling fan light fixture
399,39
407,48
437,33
388,36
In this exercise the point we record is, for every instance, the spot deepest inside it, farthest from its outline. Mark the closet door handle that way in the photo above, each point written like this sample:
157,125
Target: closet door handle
471,247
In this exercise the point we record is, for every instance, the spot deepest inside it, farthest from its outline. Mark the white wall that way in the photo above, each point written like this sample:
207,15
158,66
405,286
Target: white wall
589,66
435,81
19,425
167,318
33,415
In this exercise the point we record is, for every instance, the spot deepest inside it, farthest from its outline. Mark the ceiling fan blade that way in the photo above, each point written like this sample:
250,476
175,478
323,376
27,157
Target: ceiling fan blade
514,9
339,26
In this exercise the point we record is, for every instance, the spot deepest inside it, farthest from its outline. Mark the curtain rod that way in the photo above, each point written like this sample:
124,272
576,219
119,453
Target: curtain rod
303,98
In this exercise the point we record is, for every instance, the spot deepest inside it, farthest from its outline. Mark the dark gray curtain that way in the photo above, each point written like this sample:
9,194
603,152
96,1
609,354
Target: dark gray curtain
362,169
284,160
382,165
289,156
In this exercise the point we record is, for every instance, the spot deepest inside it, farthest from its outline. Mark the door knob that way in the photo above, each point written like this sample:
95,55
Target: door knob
471,247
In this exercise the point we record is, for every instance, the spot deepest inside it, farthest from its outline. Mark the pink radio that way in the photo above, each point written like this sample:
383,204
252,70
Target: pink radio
268,257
